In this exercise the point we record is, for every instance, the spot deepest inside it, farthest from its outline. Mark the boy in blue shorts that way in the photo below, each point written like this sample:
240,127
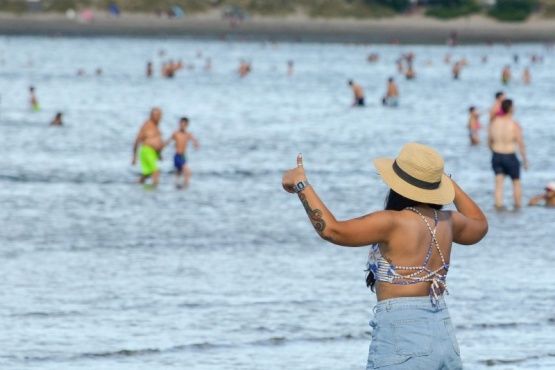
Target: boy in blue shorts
182,138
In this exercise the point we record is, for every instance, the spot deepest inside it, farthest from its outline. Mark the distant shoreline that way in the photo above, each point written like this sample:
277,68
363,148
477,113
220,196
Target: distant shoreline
406,30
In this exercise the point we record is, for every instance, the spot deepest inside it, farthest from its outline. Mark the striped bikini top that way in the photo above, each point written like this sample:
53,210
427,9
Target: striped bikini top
387,272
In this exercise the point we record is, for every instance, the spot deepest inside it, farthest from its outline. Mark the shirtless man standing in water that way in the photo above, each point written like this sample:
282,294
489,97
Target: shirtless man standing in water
391,98
504,135
182,138
150,139
358,94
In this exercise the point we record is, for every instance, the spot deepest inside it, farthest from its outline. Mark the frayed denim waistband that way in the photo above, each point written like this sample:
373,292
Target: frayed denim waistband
409,302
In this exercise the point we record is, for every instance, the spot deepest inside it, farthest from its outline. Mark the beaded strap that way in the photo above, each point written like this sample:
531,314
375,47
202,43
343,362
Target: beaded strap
433,276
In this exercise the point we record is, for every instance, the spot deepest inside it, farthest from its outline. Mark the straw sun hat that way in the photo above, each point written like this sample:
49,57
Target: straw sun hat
417,174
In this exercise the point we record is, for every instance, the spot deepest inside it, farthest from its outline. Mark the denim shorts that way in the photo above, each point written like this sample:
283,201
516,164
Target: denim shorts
409,333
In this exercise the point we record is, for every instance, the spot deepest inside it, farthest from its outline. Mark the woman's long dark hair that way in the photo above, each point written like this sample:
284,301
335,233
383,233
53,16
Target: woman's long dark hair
395,202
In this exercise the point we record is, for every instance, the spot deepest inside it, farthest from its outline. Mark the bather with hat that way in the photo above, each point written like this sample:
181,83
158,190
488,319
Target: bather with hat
410,245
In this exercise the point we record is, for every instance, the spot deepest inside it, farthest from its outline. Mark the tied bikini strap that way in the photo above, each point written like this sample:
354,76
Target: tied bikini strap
438,281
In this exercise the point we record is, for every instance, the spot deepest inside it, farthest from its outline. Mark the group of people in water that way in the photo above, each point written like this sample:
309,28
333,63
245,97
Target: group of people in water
504,139
35,107
504,133
149,144
390,99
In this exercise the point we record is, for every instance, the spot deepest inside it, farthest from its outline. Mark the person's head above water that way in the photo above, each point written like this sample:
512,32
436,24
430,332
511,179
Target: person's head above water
156,115
31,88
350,82
416,175
183,122
507,106
471,109
390,79
499,95
550,187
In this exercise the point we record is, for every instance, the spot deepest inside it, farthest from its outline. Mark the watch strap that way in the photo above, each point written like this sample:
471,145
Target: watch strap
300,186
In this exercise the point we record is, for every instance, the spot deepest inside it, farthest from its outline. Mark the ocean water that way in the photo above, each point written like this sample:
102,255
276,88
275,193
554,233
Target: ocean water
100,273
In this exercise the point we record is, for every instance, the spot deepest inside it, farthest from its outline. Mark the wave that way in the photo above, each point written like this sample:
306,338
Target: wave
75,179
47,314
129,177
503,325
204,346
493,362
123,353
124,177
273,341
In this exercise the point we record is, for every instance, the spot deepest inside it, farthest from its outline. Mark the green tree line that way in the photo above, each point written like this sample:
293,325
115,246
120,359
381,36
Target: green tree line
504,10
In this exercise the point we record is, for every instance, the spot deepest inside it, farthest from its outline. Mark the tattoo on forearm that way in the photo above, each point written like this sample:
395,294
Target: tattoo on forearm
315,215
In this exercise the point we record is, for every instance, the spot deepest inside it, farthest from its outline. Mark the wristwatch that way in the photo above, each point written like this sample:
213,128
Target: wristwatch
300,186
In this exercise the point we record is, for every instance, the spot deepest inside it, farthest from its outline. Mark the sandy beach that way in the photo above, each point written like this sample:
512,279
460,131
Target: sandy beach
414,29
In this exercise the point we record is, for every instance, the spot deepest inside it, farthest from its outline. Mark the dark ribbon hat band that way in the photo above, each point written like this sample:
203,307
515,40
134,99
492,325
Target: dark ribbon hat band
413,180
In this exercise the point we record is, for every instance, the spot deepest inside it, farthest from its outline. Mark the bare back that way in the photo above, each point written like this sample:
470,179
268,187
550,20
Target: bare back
408,245
503,135
357,90
392,91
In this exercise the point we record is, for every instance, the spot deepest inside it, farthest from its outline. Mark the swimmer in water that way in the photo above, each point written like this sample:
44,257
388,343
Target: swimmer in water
547,199
456,70
244,68
496,107
410,75
358,94
526,76
506,75
182,138
57,121
290,68
474,126
400,66
149,69
33,101
150,140
391,98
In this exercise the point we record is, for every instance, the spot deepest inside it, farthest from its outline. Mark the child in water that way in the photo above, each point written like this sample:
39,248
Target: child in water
33,101
473,126
182,138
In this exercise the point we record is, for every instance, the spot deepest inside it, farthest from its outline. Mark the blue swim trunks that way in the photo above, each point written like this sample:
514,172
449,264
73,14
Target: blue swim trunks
506,164
179,160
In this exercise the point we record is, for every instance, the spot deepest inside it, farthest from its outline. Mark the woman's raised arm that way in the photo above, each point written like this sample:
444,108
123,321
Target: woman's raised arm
366,230
469,224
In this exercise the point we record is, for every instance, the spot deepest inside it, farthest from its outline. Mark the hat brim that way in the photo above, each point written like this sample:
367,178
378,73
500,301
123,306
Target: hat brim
443,195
